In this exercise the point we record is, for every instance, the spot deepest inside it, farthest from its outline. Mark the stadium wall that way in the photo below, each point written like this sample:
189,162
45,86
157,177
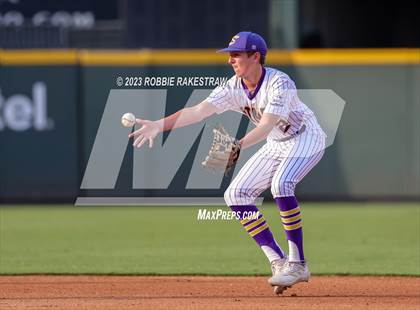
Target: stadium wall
51,103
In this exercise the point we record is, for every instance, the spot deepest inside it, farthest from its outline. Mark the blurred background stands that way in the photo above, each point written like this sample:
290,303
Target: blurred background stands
206,23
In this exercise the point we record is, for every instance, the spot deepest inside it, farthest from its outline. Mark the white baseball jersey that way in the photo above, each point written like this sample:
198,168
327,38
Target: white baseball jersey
294,146
275,93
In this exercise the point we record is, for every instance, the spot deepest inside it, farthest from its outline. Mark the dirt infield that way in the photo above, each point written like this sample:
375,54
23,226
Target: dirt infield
183,292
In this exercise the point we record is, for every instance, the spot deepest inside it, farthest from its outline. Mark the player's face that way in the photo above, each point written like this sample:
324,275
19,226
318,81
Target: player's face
241,63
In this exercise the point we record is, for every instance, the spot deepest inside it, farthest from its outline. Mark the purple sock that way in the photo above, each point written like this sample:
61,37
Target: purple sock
292,224
259,231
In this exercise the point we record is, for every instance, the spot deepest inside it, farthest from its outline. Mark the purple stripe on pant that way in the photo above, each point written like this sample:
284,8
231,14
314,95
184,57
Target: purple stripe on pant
264,237
294,235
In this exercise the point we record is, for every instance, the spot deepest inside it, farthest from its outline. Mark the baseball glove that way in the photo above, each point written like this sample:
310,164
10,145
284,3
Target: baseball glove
224,151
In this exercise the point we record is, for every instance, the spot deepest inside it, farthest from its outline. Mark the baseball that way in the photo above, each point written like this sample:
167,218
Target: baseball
128,120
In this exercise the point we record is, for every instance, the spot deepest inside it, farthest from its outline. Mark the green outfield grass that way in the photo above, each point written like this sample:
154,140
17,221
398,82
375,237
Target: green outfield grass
339,239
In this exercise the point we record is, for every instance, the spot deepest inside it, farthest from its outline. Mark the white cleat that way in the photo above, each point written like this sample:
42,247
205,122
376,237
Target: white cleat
279,289
276,268
290,274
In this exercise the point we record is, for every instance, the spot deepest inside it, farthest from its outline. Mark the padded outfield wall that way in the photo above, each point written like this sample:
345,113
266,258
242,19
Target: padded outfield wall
51,104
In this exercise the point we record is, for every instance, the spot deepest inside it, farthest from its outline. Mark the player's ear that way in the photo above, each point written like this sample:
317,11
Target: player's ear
257,56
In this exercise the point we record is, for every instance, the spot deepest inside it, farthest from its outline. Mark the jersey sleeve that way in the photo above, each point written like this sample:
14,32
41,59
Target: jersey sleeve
280,96
221,98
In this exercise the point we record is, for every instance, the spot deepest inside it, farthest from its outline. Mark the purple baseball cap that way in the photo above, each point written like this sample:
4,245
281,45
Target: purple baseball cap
246,41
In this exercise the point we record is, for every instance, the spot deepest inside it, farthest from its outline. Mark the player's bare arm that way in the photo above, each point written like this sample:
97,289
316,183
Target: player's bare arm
260,133
182,118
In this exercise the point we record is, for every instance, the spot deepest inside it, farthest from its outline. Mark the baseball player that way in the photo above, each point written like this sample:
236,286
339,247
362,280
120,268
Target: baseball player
294,145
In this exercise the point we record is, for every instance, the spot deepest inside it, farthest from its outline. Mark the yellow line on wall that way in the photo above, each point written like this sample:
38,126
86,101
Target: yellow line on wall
207,57
38,57
152,57
346,57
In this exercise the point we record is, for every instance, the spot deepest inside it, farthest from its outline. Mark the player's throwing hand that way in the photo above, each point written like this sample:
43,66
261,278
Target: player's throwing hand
147,132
